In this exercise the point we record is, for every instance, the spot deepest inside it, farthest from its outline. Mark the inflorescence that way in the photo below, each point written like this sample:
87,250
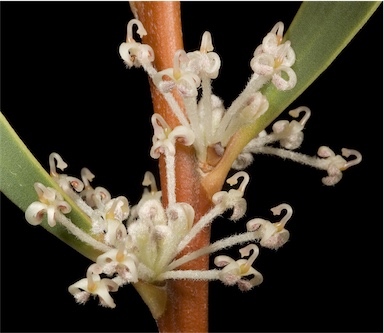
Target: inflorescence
145,242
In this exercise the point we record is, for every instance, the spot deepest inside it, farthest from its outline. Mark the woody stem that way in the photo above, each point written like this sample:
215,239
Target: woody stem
187,303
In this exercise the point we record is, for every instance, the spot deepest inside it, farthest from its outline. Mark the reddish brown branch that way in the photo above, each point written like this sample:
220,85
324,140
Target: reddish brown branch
187,304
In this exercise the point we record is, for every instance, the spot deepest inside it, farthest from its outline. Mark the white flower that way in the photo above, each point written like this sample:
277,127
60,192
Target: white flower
134,53
95,286
185,81
51,203
291,134
273,235
273,58
67,183
119,261
204,62
233,199
234,271
164,138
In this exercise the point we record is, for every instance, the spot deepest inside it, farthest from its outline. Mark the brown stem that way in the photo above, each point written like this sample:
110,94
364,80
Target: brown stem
187,304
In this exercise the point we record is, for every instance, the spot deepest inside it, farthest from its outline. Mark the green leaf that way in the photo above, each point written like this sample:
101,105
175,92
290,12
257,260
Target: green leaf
19,170
318,33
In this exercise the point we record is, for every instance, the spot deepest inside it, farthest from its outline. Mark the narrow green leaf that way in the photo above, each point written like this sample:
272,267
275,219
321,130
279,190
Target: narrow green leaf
19,170
318,33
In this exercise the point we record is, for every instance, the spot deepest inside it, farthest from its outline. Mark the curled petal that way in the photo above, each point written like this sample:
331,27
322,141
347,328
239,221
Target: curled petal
255,224
234,271
180,217
106,286
164,81
45,194
280,82
257,106
102,290
76,183
183,135
63,206
284,55
222,261
276,241
164,138
271,42
160,127
335,164
101,195
245,285
334,176
294,137
157,149
115,232
116,261
136,54
152,210
325,151
263,64
35,212
239,209
278,29
273,39
214,65
187,84
92,284
272,235
234,198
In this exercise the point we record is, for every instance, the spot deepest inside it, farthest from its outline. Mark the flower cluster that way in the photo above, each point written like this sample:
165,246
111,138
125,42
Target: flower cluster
289,136
147,242
144,242
209,127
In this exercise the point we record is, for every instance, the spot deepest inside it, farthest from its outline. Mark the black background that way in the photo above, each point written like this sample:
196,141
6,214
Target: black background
65,89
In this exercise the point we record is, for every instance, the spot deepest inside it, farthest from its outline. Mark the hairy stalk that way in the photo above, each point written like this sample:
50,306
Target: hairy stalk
187,303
